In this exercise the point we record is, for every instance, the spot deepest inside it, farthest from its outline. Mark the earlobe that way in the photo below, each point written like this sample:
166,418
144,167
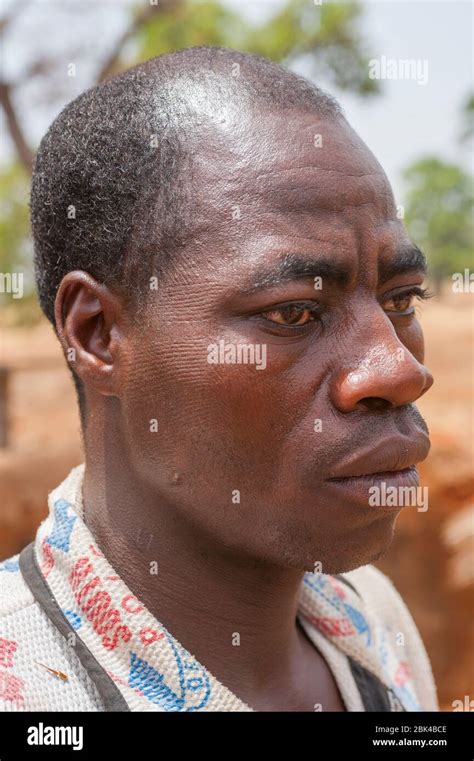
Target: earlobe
87,314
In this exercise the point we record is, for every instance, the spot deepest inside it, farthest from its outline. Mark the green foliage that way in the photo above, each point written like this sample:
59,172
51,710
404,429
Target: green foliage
16,248
439,214
326,35
187,25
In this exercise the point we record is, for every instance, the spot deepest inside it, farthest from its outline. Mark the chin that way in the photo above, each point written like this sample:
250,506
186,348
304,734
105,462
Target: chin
357,549
301,549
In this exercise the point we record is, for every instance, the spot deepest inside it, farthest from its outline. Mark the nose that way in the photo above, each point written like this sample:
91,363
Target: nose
387,375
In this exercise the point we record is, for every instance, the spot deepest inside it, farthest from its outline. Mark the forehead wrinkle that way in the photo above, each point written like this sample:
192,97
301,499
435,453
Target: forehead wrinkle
299,188
237,174
266,150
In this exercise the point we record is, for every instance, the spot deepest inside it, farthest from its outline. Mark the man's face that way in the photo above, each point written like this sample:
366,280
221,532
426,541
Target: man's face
297,254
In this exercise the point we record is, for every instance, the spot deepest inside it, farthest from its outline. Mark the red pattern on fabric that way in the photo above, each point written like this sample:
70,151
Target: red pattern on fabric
99,608
403,673
333,627
131,604
337,587
7,650
148,636
48,559
11,687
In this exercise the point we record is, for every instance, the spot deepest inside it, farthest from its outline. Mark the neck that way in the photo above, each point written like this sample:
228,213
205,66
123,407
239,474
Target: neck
234,614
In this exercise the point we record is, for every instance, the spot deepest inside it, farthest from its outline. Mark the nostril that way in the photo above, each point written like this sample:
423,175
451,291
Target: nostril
375,404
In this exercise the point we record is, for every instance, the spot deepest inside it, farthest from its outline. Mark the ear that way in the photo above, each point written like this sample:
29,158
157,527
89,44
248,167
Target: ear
88,321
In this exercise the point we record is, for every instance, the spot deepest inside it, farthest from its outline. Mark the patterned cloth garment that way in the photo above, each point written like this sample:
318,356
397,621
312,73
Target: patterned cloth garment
73,637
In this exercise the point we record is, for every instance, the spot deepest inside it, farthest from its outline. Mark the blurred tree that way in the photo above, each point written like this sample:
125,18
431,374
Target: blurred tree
438,214
14,217
15,240
326,37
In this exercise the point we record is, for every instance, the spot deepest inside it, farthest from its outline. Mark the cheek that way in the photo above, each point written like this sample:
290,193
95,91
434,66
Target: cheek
251,409
184,415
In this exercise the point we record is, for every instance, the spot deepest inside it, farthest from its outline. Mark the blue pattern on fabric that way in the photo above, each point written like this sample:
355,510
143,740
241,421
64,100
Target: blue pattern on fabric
152,685
406,698
383,650
192,676
192,680
360,622
74,618
63,524
10,565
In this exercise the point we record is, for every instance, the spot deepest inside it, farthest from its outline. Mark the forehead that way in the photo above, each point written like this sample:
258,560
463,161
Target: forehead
287,179
289,159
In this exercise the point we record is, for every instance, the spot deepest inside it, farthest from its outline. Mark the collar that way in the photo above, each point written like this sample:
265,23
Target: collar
150,668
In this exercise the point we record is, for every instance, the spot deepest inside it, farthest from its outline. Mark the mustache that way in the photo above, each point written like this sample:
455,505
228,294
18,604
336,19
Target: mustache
404,430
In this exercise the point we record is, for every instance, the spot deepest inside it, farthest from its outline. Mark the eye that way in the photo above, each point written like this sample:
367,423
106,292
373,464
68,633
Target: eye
403,303
292,315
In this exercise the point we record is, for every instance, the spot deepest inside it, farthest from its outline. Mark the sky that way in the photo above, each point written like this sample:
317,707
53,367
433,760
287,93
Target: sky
407,121
411,119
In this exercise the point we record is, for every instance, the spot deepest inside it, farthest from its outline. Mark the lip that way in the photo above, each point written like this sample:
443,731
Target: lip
391,456
356,489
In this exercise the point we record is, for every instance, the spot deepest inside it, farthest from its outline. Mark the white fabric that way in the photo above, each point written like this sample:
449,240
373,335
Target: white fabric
150,668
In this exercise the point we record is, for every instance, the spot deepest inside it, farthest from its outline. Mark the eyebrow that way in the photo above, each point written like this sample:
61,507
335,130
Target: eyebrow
408,258
294,267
